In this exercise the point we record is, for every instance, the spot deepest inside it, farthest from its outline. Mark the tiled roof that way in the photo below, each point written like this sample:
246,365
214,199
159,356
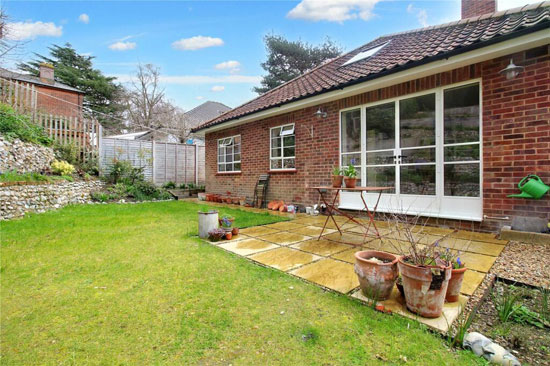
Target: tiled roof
26,78
403,50
205,112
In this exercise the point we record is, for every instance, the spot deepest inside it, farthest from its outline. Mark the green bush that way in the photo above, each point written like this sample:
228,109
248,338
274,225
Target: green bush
169,185
72,154
62,168
14,125
13,176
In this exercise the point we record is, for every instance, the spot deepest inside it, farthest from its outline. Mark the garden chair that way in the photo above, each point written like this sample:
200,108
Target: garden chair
260,191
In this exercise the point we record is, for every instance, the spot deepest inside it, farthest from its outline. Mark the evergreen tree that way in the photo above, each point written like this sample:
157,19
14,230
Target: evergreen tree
289,59
102,94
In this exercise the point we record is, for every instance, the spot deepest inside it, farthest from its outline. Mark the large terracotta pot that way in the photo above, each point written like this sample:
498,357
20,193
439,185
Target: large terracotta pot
376,279
455,284
424,292
350,182
337,181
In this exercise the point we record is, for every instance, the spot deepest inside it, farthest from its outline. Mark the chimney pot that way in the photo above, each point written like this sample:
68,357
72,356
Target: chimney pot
46,73
475,8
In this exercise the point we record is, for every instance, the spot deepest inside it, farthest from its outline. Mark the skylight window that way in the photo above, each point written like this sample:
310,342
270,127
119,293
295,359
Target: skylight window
365,54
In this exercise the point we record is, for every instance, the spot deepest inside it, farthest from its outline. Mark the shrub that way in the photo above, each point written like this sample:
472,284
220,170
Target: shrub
62,167
507,303
67,152
13,176
183,186
121,170
169,185
14,125
99,196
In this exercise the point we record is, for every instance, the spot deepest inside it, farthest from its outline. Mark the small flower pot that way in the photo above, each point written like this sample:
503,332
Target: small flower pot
337,181
228,235
425,287
377,273
242,201
350,182
235,231
455,284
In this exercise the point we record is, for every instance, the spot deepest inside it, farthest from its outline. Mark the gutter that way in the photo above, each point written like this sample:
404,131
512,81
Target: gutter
444,56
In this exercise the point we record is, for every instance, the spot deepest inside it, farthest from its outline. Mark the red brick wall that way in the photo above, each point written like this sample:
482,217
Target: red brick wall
48,101
473,8
516,138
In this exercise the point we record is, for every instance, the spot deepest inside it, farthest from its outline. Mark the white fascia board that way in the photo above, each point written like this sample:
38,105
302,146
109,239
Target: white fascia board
536,39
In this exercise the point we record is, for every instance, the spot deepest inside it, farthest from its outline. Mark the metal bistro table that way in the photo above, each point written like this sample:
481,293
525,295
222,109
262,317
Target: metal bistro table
331,207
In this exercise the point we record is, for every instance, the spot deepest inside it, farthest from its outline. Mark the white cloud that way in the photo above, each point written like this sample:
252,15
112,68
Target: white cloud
421,14
84,18
122,46
196,43
218,88
233,66
199,97
510,4
333,10
196,79
19,31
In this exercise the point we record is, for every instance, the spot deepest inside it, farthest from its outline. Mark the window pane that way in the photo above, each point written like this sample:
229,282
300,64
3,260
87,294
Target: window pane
353,159
237,166
287,130
412,156
289,164
381,176
228,158
288,140
462,180
276,132
276,153
221,167
288,152
380,127
417,179
276,142
461,114
462,153
221,158
276,164
237,157
237,149
237,140
417,121
351,131
379,158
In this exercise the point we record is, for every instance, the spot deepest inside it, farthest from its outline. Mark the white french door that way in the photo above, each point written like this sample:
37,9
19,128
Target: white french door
426,146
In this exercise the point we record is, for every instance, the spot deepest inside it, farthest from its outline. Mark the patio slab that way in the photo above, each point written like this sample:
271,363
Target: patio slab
285,238
478,262
284,259
335,275
258,231
285,226
247,246
313,231
472,279
396,304
346,238
321,247
483,237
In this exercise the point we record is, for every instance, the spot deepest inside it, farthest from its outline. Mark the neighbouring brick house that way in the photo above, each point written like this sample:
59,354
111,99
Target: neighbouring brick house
428,112
51,97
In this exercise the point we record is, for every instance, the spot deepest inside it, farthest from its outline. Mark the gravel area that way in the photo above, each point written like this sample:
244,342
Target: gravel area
526,263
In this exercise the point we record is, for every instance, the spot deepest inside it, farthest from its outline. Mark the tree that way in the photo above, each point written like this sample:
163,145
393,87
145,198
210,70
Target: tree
102,94
148,108
289,59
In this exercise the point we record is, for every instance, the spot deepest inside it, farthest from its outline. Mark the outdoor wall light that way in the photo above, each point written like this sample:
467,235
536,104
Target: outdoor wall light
320,114
511,71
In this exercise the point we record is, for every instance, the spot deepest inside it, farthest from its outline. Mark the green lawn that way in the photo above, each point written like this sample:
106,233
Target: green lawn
129,284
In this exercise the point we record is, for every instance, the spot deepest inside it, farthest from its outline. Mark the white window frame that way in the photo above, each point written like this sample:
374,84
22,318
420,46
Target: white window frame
282,157
230,140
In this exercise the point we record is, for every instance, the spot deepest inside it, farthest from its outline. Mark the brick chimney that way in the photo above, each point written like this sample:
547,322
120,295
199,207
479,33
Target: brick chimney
474,8
46,73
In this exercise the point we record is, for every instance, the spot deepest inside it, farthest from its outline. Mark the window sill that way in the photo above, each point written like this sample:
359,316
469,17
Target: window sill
228,173
282,171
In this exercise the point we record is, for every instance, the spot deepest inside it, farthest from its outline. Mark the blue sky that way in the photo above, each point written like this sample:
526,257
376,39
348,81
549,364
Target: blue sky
208,50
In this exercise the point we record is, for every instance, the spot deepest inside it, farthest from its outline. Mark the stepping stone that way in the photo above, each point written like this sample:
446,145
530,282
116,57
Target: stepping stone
285,238
338,276
472,279
321,247
258,231
247,246
284,259
285,226
313,231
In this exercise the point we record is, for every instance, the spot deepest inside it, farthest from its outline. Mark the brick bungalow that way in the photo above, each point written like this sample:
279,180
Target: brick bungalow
429,112
52,97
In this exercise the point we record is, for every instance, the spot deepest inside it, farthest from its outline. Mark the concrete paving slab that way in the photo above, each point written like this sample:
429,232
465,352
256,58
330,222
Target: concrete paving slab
256,231
321,247
285,238
472,279
284,258
285,226
477,262
313,231
338,276
247,246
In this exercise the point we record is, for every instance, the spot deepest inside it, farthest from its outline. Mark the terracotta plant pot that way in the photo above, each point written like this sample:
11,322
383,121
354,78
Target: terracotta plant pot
235,201
242,201
337,181
228,235
350,182
376,278
455,284
424,292
235,231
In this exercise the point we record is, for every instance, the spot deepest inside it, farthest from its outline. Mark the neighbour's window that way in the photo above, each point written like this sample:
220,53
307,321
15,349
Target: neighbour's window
229,154
283,145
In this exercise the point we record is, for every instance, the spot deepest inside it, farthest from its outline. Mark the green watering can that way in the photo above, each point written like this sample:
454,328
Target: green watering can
531,187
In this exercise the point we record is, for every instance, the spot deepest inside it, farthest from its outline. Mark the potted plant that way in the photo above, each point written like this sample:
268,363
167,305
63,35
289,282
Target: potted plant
216,234
457,275
228,235
350,176
337,177
235,231
226,222
377,273
208,220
